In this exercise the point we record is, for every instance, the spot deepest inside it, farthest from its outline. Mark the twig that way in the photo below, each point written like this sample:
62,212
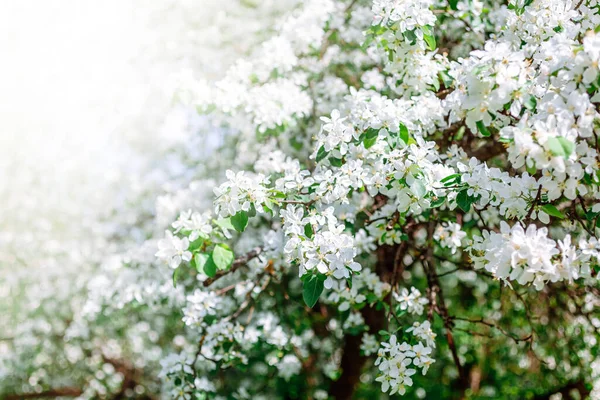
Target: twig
535,201
237,263
499,328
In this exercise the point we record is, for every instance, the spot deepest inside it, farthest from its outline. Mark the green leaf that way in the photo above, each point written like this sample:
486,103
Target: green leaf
321,154
410,36
268,206
371,133
453,4
308,230
450,179
429,37
436,202
222,256
313,287
336,162
200,261
483,129
436,85
418,188
559,146
210,268
446,79
531,103
225,223
175,276
240,220
370,142
553,211
590,215
463,200
404,133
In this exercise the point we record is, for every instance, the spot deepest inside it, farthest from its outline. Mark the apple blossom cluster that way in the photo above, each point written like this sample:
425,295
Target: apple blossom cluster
412,302
530,256
397,362
325,249
240,192
450,236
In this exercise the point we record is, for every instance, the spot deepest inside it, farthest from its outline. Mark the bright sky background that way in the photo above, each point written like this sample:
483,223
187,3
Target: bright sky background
87,95
79,80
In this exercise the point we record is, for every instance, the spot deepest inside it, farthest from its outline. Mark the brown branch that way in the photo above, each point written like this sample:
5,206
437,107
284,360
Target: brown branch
437,296
517,339
352,361
248,298
533,204
238,263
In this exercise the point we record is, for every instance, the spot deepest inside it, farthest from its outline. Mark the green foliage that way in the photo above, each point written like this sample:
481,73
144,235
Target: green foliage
240,220
222,256
552,211
560,146
313,287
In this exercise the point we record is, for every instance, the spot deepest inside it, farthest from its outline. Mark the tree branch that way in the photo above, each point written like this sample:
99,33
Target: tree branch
237,263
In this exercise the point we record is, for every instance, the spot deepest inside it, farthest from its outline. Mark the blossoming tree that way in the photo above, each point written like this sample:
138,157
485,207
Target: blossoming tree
421,196
409,207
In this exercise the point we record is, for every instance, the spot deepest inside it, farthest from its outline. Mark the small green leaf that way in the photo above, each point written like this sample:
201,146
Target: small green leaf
453,4
410,36
222,256
530,103
321,154
240,220
483,129
436,85
429,37
404,133
590,215
553,211
175,276
463,200
370,142
371,133
436,202
450,178
336,162
225,223
200,260
446,79
560,146
313,287
210,268
418,188
308,230
268,206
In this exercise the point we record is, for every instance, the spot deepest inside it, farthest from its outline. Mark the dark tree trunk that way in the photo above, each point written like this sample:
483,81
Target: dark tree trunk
352,362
